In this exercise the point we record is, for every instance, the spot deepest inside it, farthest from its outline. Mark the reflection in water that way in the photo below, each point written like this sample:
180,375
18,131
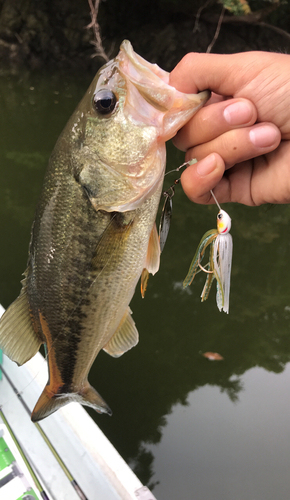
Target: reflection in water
228,451
170,404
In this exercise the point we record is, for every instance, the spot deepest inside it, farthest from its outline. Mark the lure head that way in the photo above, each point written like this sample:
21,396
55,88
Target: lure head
223,222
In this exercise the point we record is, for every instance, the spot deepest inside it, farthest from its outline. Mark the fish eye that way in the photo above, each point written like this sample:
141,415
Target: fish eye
104,102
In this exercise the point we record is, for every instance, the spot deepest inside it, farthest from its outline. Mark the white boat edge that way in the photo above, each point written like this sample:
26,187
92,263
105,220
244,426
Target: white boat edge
74,423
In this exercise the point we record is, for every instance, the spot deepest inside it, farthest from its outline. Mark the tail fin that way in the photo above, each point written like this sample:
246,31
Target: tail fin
48,402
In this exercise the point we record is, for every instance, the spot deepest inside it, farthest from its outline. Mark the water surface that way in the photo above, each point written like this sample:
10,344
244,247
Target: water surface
189,427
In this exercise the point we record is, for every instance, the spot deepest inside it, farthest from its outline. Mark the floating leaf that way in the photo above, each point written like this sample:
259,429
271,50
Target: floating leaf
213,356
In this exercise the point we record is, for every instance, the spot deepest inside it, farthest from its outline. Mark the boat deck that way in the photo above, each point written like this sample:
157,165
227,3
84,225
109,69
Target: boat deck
91,459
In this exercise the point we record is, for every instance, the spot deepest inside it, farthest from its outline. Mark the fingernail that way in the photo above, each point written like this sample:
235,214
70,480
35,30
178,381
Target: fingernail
238,113
206,165
263,136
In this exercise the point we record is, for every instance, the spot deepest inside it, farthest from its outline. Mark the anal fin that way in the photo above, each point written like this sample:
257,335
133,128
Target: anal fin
125,337
18,339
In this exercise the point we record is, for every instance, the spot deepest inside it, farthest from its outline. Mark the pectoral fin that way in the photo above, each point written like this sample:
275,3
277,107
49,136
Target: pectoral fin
18,339
113,241
152,259
124,338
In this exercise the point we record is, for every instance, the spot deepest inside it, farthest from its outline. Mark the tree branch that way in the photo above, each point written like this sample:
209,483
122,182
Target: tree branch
99,49
217,31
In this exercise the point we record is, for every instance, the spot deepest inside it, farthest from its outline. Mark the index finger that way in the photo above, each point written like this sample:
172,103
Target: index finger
225,74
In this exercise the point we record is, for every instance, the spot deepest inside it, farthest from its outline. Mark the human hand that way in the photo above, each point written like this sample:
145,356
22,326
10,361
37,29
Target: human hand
242,144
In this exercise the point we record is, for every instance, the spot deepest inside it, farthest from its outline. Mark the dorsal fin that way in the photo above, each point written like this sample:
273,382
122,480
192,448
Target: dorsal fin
125,337
18,339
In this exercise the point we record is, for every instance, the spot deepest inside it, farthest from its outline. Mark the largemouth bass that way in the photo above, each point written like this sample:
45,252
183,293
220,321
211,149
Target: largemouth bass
94,229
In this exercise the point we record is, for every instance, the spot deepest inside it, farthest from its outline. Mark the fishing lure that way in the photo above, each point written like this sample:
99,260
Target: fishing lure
166,213
220,245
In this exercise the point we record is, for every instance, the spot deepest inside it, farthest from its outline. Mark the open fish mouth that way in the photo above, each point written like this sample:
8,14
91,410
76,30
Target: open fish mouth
172,107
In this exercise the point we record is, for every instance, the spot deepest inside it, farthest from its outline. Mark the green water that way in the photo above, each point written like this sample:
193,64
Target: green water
189,427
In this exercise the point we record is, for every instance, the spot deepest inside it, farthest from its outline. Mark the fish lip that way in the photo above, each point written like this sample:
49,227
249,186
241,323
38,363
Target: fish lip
156,73
140,63
142,74
161,104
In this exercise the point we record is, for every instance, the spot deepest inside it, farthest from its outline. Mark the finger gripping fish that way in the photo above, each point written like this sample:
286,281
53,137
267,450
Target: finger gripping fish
94,230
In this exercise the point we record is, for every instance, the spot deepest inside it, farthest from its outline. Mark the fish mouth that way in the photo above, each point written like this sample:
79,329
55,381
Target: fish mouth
174,108
144,74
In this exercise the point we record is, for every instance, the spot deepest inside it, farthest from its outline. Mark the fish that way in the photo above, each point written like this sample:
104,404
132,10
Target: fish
94,231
